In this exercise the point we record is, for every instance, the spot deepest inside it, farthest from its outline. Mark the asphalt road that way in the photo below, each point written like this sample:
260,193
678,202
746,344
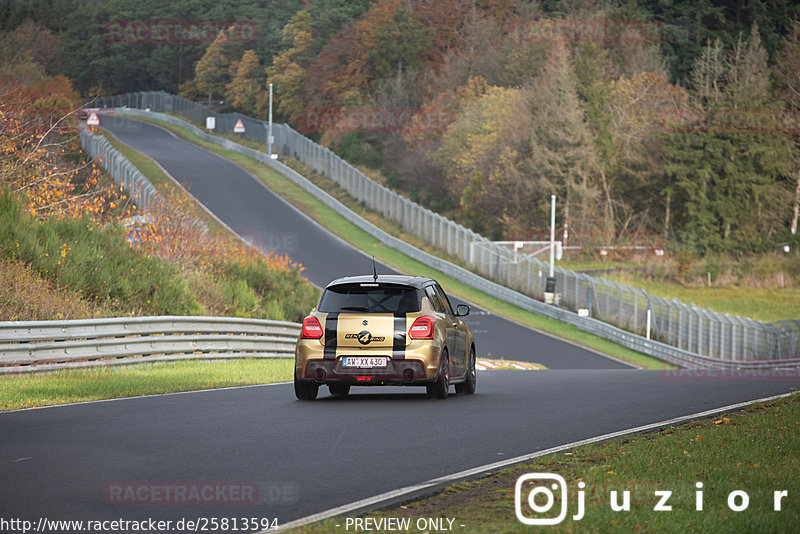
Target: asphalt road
266,220
307,457
131,458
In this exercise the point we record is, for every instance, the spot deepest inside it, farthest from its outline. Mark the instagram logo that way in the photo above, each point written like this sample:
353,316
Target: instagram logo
541,498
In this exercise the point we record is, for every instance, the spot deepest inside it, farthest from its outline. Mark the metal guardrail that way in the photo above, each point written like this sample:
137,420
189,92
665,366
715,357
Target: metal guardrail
660,350
121,170
686,326
124,173
693,329
31,346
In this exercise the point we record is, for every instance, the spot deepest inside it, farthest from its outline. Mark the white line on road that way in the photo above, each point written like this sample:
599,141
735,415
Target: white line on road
371,502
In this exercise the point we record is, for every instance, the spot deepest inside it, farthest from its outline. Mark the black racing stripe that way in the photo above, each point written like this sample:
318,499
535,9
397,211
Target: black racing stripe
331,335
399,343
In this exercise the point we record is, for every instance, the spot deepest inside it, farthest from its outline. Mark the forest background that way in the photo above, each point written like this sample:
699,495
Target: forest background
675,123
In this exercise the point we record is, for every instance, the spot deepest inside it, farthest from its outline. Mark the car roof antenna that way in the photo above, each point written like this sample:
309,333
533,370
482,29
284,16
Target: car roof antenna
374,270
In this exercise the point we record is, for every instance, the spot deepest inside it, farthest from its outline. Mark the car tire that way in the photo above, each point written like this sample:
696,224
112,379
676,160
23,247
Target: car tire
471,379
339,390
304,390
439,388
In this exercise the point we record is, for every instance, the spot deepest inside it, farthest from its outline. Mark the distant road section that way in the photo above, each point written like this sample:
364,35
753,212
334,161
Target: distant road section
268,221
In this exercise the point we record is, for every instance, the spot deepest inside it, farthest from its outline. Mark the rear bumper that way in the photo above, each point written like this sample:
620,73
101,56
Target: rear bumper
397,373
418,364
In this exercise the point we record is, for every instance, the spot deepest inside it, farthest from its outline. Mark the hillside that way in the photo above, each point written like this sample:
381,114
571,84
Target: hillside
662,124
65,251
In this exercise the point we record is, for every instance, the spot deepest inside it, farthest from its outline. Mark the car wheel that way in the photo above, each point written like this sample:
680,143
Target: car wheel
340,390
439,388
305,390
468,386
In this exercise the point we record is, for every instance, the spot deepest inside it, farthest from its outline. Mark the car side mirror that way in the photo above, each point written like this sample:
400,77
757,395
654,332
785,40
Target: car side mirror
462,310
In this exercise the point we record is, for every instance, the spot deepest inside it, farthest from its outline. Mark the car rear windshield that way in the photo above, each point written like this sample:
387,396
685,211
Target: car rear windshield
369,298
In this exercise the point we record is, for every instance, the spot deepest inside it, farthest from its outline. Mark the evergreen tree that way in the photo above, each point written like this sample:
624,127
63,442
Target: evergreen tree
563,155
728,171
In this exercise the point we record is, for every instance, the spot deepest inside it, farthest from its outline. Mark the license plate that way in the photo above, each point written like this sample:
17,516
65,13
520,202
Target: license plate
363,361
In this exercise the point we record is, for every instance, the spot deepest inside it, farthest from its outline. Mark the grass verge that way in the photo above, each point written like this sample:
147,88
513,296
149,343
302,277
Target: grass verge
755,450
331,220
760,303
80,385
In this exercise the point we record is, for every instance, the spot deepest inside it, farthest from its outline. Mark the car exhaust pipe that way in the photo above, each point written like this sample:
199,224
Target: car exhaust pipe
319,374
408,375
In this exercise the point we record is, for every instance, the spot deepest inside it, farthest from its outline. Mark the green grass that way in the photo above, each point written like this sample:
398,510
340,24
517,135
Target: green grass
80,385
761,304
95,262
331,220
230,288
756,450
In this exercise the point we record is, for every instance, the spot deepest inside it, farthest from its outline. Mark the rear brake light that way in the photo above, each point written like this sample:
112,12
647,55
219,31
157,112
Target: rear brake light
422,328
311,328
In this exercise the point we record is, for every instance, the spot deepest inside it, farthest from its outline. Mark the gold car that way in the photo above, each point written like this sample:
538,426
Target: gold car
384,330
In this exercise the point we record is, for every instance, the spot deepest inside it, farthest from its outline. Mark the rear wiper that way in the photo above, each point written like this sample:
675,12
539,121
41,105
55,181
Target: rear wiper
354,308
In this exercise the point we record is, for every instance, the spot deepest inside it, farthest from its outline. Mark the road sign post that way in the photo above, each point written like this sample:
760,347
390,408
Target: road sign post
550,283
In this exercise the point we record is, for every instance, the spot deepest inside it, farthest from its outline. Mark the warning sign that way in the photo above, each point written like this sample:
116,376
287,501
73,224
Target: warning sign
238,127
93,120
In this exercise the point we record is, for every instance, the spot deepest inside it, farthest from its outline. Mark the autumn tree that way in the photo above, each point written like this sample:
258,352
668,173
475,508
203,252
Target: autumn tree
289,69
213,71
40,42
37,148
482,156
245,91
641,107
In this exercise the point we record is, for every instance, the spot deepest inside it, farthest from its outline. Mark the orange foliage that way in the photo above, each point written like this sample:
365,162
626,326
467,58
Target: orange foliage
447,101
172,231
345,67
36,138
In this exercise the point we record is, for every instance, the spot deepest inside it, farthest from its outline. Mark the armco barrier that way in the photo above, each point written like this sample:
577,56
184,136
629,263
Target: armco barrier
662,351
686,326
122,171
31,346
125,174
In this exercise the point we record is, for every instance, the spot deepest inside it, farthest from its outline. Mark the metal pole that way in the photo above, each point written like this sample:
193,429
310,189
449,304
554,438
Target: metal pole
552,234
269,132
